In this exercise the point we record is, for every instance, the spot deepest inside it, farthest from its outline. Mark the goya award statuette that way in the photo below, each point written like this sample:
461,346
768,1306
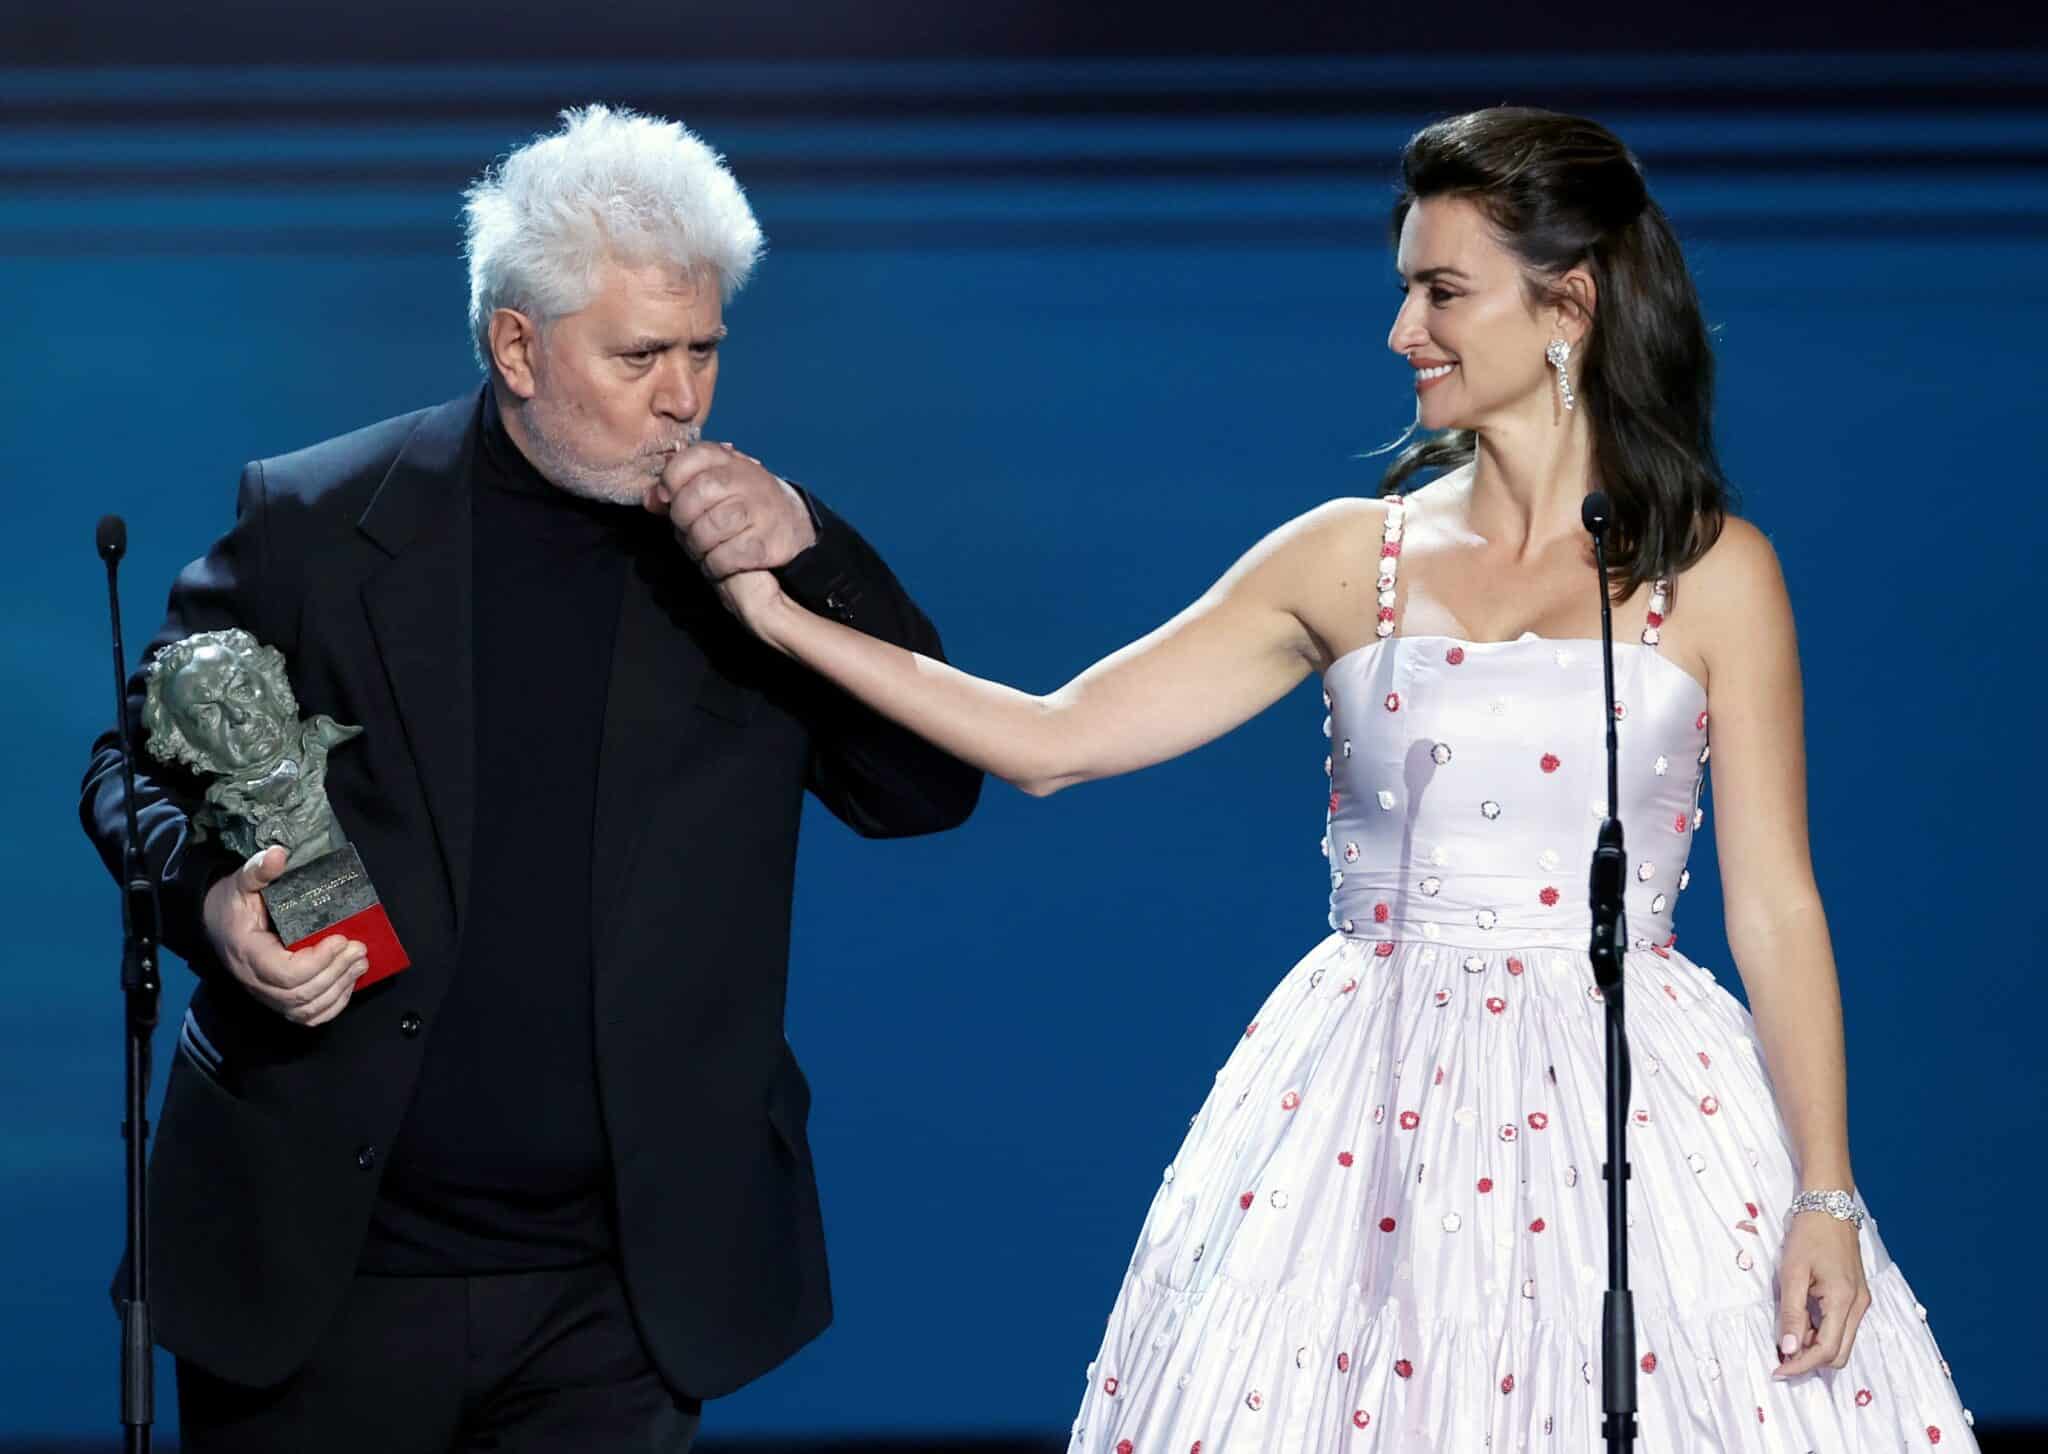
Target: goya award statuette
219,703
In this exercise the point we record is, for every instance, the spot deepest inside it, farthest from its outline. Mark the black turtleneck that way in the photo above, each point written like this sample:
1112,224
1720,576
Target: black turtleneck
501,1164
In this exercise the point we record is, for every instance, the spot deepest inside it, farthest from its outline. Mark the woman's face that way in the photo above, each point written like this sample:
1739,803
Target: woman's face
1465,324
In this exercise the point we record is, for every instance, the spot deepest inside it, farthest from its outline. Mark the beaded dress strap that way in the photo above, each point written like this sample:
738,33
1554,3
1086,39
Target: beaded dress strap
1660,593
1390,563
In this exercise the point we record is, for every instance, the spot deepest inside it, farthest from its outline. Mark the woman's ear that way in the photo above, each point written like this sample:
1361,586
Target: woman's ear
1578,298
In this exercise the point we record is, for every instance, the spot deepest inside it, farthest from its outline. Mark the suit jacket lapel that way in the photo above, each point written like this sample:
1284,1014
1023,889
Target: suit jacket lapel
671,632
419,606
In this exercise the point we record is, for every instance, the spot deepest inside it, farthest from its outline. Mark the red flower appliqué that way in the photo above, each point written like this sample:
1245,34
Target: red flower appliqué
1455,656
1486,1183
1538,1120
1249,1029
1335,799
1289,1101
1649,1363
1495,1004
1244,1202
1343,1362
1360,1418
1514,965
1862,1398
1109,1386
1549,897
1387,1225
1933,1434
1391,549
1384,948
1393,701
1678,823
1403,1368
1124,1446
1343,1158
1550,762
1410,1120
1537,1225
1709,1105
1699,723
1507,1384
1381,913
1705,1064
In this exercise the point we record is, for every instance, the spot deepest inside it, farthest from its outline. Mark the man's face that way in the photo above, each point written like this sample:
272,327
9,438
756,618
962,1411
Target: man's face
620,386
226,711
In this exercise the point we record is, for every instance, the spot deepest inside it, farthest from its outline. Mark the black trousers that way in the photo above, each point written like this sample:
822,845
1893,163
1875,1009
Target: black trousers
521,1363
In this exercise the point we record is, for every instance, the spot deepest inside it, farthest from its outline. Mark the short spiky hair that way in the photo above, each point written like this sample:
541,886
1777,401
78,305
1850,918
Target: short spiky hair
608,185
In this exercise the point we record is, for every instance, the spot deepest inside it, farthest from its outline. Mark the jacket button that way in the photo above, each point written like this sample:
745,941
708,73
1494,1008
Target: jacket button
409,1025
366,1157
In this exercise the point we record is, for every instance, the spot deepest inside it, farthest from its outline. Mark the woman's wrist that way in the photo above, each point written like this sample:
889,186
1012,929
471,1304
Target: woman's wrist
781,622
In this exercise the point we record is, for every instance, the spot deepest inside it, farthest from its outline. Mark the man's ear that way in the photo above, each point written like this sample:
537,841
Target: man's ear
515,350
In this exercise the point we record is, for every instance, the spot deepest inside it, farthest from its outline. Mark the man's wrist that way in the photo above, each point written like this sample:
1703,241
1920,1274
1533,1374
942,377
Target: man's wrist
815,527
823,577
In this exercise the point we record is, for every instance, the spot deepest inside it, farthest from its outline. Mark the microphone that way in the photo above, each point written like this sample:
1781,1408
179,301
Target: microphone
1610,860
140,987
1606,881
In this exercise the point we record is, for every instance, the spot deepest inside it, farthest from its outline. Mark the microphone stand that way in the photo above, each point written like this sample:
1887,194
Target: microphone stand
139,987
1608,878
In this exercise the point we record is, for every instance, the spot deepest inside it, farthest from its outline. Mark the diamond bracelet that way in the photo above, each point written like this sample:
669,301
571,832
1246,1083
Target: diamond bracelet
1838,1204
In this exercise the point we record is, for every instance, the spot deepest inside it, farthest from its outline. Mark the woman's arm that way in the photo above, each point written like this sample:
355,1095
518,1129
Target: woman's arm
1231,654
1776,927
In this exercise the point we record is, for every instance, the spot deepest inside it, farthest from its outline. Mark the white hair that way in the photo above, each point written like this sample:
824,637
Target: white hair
610,185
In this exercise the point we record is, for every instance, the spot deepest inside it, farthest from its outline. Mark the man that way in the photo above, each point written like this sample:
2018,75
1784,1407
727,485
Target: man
549,1187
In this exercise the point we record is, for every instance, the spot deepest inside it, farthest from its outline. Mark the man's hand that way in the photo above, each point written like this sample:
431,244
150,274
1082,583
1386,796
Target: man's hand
309,987
730,513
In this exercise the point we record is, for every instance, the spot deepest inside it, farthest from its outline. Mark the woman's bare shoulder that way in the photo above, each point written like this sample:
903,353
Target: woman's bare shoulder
1739,566
1732,602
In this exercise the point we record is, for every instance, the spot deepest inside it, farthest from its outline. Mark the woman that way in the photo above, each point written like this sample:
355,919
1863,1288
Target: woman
1387,1222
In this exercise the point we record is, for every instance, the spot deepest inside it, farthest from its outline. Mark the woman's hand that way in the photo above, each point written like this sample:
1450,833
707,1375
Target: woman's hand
1822,1267
755,596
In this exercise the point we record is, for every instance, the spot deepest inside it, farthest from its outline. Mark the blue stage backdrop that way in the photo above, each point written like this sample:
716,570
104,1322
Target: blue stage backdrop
1062,364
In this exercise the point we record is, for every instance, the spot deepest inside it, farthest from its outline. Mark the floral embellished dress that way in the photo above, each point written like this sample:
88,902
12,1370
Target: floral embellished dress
1386,1226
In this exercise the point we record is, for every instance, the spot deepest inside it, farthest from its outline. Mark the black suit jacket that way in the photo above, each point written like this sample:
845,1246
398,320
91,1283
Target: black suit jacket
353,558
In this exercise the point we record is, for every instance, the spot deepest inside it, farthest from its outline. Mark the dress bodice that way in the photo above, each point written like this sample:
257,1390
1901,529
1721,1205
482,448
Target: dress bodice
1468,781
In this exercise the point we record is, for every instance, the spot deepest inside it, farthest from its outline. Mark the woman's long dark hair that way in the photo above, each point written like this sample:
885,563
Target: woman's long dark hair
1562,192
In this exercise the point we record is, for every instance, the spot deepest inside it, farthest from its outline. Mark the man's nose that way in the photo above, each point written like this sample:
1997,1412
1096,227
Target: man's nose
675,395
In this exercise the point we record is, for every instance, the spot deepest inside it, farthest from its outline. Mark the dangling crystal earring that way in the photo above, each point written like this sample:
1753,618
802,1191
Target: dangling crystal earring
1559,353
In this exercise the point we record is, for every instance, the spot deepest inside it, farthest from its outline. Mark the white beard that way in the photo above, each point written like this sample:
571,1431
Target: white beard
623,483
